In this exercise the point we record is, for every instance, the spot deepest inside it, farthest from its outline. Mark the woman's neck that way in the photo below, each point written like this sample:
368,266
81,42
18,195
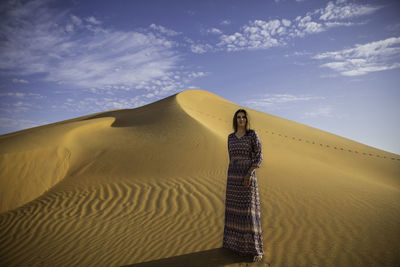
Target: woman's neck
241,130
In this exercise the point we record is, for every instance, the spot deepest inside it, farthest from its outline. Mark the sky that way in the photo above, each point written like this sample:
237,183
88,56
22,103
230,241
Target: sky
331,65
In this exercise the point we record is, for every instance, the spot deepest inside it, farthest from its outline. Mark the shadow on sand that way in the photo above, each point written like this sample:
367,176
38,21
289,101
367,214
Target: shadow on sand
211,258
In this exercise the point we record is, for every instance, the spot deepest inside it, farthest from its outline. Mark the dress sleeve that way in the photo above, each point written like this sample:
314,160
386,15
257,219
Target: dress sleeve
256,150
229,153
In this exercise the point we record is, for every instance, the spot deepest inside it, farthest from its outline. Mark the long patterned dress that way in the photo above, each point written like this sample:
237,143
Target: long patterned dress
242,230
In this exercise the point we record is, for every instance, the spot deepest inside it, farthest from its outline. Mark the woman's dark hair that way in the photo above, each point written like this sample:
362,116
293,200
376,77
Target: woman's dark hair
235,125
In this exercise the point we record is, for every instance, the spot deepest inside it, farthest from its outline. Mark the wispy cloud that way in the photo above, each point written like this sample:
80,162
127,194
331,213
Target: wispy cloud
98,104
343,23
200,48
16,104
343,10
214,31
226,22
325,111
8,125
364,58
164,30
306,106
19,81
93,20
269,100
22,95
67,49
19,106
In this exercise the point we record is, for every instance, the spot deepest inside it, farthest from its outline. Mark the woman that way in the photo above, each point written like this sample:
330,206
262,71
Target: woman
242,230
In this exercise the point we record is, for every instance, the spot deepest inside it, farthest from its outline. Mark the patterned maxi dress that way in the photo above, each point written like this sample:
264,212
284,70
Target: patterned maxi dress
242,230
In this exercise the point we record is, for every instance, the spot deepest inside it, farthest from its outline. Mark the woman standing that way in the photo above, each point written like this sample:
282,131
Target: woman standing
242,230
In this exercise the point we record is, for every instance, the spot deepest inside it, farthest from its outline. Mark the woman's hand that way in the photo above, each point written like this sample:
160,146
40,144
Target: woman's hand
246,180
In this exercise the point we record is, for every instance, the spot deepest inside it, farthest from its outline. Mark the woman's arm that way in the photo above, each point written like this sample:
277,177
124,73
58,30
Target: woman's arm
229,153
256,157
256,151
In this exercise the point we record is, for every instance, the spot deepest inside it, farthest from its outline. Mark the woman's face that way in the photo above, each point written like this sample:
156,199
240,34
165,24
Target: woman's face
241,119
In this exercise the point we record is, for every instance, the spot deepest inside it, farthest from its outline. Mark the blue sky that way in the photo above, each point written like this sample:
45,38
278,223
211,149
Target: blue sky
332,65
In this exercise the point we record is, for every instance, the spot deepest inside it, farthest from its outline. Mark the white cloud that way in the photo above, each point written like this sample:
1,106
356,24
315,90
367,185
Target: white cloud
22,106
200,48
305,25
276,99
214,31
258,34
325,111
345,24
197,74
362,59
98,104
19,81
152,91
342,10
13,103
164,30
81,53
69,28
22,95
302,53
10,125
93,20
286,22
77,21
225,22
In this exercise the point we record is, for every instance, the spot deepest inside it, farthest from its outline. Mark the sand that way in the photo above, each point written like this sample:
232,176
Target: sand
146,187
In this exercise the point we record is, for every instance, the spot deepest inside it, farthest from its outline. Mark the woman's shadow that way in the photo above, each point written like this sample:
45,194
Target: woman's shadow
212,257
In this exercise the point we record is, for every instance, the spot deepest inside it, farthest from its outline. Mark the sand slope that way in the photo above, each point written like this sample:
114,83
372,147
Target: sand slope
146,187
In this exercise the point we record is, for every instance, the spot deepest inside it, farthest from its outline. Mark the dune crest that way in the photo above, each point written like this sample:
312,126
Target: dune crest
146,187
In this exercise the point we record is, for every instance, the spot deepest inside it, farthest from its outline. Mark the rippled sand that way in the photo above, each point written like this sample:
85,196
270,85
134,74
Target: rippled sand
146,187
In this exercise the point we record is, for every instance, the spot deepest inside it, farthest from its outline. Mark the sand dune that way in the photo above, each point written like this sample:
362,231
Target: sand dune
146,187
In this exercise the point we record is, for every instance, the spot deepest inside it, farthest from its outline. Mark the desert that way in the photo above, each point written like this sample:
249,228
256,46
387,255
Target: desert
146,187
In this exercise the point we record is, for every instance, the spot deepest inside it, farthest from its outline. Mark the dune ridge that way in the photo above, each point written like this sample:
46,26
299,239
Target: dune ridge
146,187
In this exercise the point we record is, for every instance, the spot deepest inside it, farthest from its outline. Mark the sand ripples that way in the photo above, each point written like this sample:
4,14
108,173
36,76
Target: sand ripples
114,215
